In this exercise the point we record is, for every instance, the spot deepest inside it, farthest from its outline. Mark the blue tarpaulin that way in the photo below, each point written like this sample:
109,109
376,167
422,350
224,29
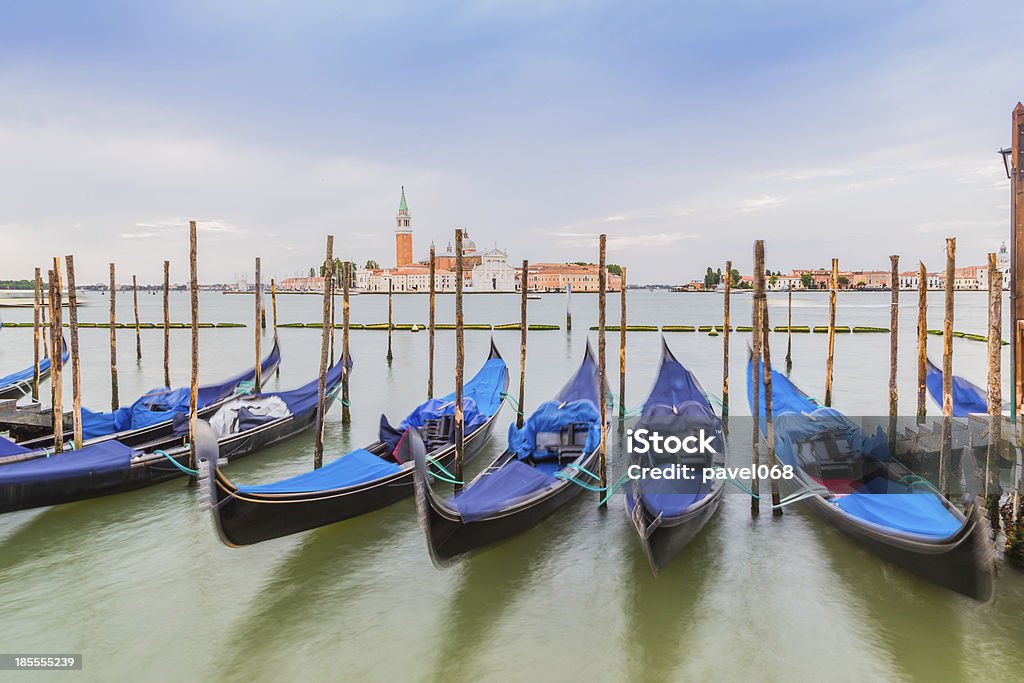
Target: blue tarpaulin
895,506
481,399
27,373
967,397
100,458
551,417
155,406
500,489
672,497
8,447
357,467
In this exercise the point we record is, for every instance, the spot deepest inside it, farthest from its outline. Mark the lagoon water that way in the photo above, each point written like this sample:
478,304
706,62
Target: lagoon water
141,586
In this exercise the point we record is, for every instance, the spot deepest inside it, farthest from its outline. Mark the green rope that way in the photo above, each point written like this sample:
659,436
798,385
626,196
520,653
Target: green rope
177,464
512,402
584,470
447,476
743,488
913,480
613,489
245,388
589,487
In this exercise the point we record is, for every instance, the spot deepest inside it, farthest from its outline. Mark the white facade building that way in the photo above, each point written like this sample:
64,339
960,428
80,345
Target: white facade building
494,274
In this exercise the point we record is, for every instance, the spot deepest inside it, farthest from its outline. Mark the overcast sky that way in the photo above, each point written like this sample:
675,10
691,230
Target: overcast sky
684,130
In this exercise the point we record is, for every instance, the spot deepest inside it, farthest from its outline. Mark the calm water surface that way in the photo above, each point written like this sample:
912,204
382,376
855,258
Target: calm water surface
141,586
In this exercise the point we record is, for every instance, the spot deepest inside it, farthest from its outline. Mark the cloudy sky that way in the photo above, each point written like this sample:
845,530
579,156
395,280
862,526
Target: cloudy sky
682,130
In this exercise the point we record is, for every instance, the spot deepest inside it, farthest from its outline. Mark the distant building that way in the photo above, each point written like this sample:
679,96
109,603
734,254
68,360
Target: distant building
403,234
554,277
494,274
300,284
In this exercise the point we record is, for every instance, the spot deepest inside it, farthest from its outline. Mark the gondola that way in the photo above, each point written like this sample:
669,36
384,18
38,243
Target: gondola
851,480
151,418
968,398
361,481
19,384
532,479
244,423
668,512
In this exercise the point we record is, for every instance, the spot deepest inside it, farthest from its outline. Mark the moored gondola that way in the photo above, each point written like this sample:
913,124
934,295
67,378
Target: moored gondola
851,480
151,418
532,479
243,425
361,481
19,384
668,511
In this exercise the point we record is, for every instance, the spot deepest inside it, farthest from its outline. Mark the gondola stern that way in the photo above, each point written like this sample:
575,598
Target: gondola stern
428,502
212,495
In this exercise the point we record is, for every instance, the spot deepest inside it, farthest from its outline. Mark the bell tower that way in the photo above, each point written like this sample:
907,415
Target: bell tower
403,234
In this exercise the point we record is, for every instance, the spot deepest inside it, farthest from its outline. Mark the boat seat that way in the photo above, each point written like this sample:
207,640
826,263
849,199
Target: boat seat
562,446
438,432
828,458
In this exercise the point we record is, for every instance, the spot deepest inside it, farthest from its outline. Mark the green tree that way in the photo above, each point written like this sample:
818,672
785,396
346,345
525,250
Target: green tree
843,281
773,280
614,269
736,277
806,280
371,265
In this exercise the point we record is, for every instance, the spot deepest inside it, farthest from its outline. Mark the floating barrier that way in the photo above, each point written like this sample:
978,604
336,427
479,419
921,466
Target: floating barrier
678,328
840,329
629,328
870,330
534,327
796,329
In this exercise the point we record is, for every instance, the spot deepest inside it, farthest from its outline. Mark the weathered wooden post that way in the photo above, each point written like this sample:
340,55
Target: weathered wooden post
757,383
321,386
767,363
346,411
726,325
273,302
789,328
36,305
602,289
1015,167
568,307
522,351
922,342
333,309
135,307
193,407
258,379
391,323
167,324
431,323
622,346
114,398
76,369
894,322
829,361
460,360
995,390
947,368
57,357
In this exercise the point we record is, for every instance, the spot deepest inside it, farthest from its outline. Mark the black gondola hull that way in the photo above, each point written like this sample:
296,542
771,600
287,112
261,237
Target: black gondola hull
149,471
663,539
962,563
245,520
449,537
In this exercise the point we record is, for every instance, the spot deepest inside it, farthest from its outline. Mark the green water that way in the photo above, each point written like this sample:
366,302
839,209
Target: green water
139,584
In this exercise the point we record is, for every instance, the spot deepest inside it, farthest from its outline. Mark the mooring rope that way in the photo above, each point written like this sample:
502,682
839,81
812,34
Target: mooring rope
186,470
449,478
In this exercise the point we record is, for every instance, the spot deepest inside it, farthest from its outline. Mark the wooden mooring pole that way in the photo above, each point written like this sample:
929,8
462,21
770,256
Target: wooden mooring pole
789,328
346,404
57,357
460,362
115,402
167,324
135,308
193,402
431,323
830,359
894,322
995,391
568,307
76,369
602,289
258,336
767,363
922,342
321,385
622,346
36,305
334,302
947,369
756,381
520,410
391,320
273,306
726,303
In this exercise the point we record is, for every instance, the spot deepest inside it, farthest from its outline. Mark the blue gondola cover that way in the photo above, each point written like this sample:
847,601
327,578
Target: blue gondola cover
100,458
353,468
